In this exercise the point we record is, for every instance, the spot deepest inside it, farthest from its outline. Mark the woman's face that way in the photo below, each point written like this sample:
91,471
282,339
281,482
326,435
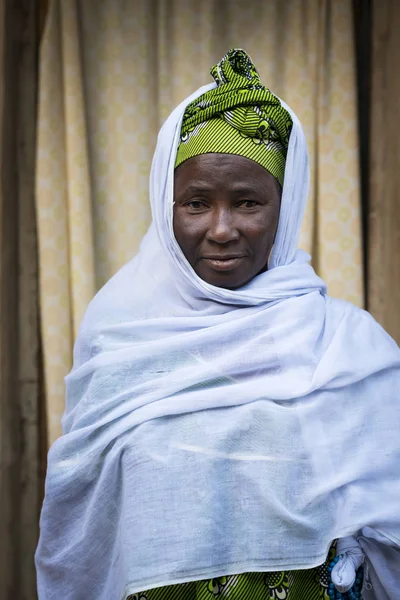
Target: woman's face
226,211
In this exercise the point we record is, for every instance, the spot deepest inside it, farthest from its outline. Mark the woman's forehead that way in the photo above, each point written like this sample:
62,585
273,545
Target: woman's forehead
203,172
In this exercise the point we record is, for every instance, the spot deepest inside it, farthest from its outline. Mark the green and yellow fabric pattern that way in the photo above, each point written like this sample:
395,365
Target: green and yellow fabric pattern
240,116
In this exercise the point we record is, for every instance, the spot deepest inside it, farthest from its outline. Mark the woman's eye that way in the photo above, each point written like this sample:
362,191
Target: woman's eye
248,203
195,204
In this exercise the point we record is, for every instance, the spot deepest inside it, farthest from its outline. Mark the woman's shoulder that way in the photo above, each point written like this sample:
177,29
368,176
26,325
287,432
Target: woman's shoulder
358,330
355,316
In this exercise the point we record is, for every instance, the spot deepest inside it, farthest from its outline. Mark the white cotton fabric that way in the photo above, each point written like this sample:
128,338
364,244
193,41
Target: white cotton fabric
351,557
209,432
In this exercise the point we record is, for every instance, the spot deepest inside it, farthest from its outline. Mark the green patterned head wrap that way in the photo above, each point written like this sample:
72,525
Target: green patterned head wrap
239,116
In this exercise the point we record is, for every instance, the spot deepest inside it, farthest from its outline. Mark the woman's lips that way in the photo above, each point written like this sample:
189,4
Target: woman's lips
226,264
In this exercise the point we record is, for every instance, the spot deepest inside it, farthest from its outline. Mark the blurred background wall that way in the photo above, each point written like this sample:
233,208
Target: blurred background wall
85,85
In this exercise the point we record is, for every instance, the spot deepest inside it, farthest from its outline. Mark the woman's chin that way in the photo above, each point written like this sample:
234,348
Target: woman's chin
230,280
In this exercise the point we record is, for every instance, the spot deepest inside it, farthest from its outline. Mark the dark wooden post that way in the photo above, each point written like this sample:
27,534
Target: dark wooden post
19,369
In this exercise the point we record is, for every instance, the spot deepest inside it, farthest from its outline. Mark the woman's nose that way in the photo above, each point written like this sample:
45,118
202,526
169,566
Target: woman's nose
222,227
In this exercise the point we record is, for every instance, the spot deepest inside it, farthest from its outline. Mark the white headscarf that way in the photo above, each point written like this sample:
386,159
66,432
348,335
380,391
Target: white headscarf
210,431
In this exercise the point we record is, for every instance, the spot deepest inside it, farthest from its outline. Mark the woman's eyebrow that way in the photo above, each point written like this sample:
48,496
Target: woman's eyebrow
246,189
194,187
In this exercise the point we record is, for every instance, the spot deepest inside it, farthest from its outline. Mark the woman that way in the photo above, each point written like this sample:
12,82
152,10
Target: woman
226,421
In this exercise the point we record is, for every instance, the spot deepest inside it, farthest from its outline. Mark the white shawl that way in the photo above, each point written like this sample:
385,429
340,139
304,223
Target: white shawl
209,432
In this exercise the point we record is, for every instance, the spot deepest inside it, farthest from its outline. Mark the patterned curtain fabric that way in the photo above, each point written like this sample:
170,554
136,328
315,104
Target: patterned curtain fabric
110,73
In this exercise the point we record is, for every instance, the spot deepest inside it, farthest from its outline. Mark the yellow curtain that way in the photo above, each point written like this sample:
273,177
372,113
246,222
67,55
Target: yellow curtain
111,71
